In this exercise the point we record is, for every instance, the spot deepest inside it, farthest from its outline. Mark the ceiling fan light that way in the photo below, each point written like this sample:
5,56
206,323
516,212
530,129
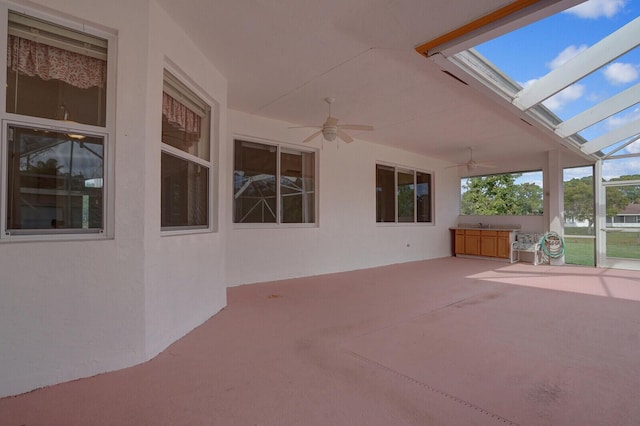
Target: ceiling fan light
330,134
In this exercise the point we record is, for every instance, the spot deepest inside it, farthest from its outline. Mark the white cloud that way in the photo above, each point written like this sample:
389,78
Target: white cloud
622,167
527,83
566,54
620,120
560,99
634,148
594,9
577,172
620,73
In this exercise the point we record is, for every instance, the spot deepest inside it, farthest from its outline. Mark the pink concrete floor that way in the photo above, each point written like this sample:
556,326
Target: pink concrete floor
442,342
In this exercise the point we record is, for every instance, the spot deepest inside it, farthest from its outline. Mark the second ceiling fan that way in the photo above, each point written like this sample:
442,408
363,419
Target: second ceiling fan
472,165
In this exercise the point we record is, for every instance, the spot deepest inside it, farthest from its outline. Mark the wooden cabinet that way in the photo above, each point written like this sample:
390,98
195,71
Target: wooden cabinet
459,241
489,243
483,242
504,244
472,242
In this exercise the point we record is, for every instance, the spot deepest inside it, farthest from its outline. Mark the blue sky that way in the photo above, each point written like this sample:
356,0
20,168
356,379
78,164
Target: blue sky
531,52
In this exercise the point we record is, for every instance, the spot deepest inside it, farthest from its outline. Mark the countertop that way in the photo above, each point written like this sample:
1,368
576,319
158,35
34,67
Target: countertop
488,227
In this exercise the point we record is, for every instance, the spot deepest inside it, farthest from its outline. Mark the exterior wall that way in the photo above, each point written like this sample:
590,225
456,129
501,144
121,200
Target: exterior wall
348,236
185,274
71,309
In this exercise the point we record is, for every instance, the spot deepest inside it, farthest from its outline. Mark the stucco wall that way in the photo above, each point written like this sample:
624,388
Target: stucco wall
185,274
348,236
71,309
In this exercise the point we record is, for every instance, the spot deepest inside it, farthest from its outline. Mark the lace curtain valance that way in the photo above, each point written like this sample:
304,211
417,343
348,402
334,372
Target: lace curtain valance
181,117
48,62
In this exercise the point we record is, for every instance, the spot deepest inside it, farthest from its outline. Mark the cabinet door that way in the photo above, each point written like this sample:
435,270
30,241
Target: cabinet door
460,242
472,242
489,243
504,245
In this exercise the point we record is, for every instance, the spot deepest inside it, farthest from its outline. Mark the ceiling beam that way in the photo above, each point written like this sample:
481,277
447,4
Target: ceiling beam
621,133
598,55
599,112
482,22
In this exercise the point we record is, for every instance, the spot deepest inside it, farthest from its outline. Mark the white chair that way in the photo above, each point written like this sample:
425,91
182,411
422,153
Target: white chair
527,242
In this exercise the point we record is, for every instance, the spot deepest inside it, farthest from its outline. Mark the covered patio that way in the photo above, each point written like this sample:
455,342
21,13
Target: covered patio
449,341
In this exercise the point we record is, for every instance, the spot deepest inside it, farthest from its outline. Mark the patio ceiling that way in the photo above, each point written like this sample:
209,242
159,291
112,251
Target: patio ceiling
283,58
529,99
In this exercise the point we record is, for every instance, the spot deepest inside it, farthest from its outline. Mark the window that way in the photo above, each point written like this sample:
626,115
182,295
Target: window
273,184
55,137
407,192
518,194
186,158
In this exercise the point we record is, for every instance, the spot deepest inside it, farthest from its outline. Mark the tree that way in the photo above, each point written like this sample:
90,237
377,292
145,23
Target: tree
500,195
529,199
49,167
490,195
619,197
578,200
406,198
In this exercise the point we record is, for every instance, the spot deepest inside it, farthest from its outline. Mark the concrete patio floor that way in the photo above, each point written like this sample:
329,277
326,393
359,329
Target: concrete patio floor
441,342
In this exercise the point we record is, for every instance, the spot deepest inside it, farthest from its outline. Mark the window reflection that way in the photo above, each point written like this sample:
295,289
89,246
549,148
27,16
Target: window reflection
385,194
55,180
297,185
406,200
185,188
272,184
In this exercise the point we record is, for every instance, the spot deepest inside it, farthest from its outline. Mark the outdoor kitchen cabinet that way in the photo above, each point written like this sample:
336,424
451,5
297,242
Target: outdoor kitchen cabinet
483,242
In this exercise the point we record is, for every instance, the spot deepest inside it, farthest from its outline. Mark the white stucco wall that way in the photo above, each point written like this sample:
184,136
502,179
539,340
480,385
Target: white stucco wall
185,274
71,309
348,236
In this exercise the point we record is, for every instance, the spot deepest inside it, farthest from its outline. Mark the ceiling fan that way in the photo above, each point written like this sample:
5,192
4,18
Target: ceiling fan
331,130
472,165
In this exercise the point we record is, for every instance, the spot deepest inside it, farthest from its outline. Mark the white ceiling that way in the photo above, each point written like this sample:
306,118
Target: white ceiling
283,57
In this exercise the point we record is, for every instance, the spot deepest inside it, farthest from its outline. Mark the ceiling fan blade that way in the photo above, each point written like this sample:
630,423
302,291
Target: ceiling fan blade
345,137
486,165
456,165
305,127
356,127
331,121
315,134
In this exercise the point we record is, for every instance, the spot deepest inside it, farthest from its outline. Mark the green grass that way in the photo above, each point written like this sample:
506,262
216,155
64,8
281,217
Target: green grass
623,244
580,251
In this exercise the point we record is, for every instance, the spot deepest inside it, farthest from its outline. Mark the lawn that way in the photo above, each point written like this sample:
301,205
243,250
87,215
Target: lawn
580,251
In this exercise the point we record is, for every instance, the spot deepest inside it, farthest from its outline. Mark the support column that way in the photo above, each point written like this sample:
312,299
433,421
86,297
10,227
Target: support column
554,196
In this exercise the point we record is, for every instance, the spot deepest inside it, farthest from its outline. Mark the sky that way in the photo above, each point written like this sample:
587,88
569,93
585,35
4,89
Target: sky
531,52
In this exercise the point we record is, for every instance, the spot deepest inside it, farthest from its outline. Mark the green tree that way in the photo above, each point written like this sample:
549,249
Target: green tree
406,198
490,195
619,197
578,200
529,199
500,195
630,192
616,200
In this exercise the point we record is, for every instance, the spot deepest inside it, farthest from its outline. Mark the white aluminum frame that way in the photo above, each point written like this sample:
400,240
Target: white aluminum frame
107,132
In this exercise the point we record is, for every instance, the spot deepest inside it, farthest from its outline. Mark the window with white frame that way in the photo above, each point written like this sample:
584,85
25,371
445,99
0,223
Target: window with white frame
403,195
55,137
273,184
186,158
